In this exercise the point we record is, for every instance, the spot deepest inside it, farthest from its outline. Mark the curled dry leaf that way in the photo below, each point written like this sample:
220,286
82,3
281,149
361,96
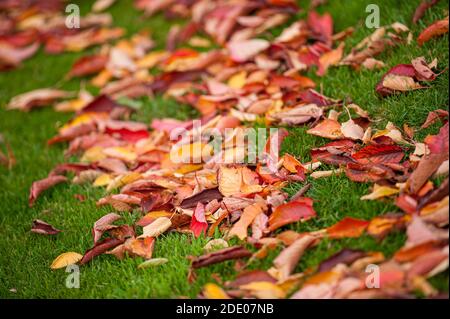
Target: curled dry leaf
100,248
422,8
40,97
221,255
104,224
289,257
41,227
65,260
199,224
153,262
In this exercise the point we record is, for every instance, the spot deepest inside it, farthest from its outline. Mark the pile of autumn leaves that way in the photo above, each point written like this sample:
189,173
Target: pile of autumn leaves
252,80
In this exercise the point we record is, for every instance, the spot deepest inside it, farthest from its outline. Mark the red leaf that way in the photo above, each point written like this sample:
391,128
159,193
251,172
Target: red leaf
41,227
379,154
420,10
88,65
321,26
128,135
39,186
100,248
300,209
312,96
198,222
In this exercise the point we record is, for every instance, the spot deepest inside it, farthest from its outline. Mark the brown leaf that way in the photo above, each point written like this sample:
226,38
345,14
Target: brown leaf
218,256
100,248
203,197
41,227
345,256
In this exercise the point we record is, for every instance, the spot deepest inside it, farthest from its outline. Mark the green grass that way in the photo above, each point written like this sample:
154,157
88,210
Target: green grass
25,257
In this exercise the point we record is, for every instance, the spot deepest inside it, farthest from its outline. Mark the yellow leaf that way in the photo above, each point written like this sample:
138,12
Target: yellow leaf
102,180
123,180
151,59
379,192
212,291
237,81
93,154
65,260
264,290
190,153
158,213
122,153
188,168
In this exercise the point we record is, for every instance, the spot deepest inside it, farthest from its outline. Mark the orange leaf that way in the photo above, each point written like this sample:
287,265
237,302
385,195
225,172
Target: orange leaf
300,209
347,228
437,28
240,228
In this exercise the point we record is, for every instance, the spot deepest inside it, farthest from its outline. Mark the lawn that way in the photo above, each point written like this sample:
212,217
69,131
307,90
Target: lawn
25,257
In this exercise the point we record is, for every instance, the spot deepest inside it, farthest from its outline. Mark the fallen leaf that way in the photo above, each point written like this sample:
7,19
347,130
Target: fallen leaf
39,186
199,224
153,262
347,228
65,260
288,259
221,255
156,228
437,28
239,229
41,227
380,192
212,291
299,210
